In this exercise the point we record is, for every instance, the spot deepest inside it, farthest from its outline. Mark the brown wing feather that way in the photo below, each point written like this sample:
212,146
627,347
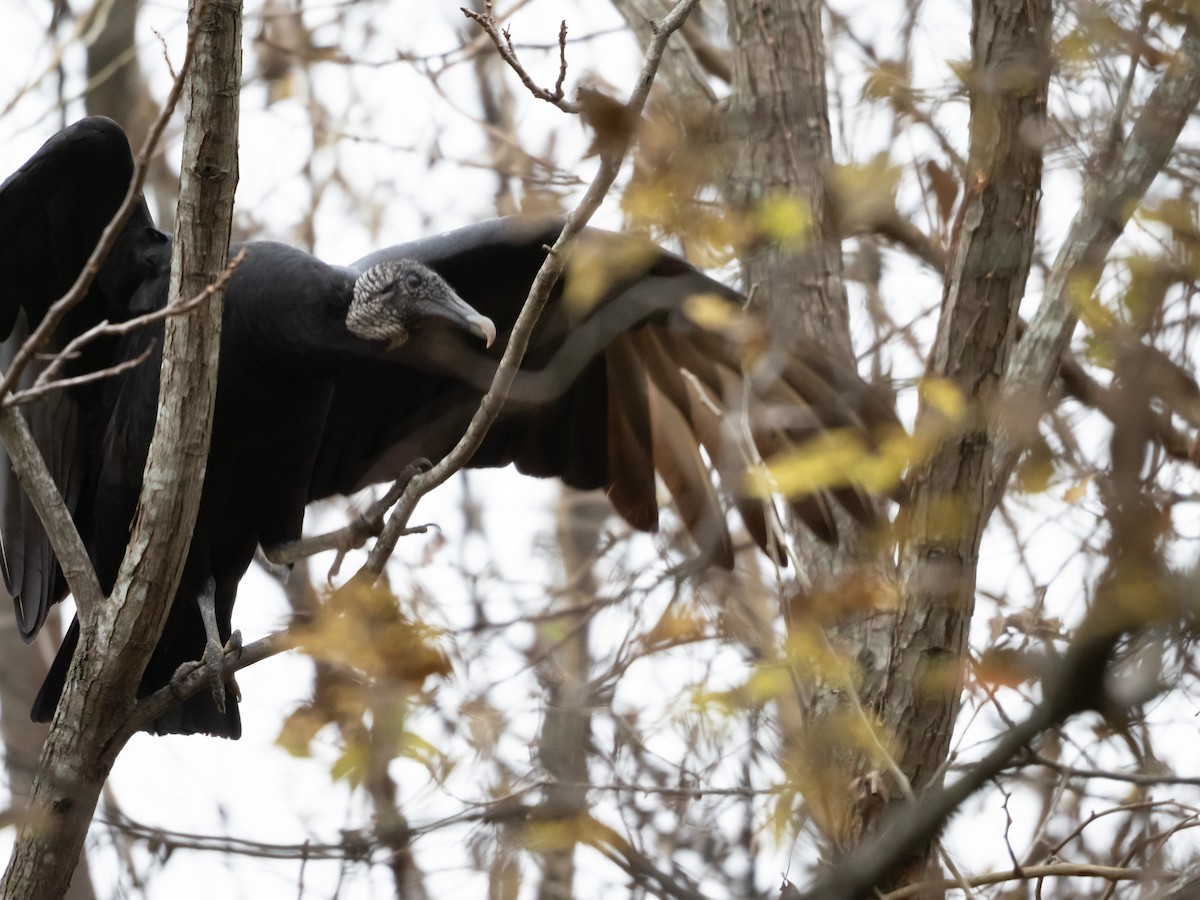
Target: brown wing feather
631,486
682,469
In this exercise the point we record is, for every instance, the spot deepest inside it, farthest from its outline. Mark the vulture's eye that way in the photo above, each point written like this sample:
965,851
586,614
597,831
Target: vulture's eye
412,281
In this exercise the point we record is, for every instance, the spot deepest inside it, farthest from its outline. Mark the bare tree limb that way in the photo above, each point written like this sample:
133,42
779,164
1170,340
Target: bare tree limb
1028,873
1111,195
31,471
1076,383
366,525
504,46
985,281
1078,683
37,482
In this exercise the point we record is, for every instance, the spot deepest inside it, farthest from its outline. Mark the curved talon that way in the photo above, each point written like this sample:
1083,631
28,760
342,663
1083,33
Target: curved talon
281,572
214,661
232,685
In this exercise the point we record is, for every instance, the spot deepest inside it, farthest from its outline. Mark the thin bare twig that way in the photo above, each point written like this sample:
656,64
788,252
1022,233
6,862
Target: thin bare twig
1139,778
49,387
367,524
1025,873
1111,196
504,45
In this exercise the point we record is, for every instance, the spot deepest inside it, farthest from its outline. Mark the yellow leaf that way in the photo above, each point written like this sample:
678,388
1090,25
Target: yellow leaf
649,201
300,728
1088,307
1005,668
713,312
351,765
1035,469
810,655
880,470
676,626
888,81
785,220
765,683
782,816
944,397
416,748
596,266
838,458
819,464
363,629
865,195
1077,491
559,834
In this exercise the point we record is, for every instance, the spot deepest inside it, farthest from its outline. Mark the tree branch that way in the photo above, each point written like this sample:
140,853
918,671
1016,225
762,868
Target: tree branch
1111,196
504,46
37,482
982,290
46,384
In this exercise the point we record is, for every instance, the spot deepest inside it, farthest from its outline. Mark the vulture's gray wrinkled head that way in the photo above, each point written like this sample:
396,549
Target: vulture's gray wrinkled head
392,298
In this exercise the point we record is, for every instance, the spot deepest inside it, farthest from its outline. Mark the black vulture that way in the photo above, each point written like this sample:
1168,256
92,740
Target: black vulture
333,378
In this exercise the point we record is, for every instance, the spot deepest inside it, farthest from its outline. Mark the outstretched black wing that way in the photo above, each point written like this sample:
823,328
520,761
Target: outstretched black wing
620,385
53,211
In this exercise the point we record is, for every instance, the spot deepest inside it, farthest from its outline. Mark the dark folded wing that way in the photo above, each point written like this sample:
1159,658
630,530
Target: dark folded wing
620,390
53,211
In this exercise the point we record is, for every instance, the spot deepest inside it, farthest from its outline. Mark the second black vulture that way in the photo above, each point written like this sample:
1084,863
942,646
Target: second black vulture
333,378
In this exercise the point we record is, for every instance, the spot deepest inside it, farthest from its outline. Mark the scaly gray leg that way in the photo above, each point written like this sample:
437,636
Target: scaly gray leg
214,653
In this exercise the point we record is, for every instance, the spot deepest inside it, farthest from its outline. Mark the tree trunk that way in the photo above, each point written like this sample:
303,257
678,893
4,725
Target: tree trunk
117,89
565,670
779,124
116,640
985,281
22,670
778,120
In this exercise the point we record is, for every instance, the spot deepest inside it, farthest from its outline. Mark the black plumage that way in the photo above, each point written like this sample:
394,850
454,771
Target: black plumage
332,378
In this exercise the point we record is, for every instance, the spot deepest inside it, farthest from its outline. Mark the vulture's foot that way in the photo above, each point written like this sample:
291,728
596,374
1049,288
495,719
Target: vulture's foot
370,525
418,466
214,659
214,652
214,663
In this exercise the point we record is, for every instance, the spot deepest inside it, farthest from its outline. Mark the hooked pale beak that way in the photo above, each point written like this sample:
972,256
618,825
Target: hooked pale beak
460,312
484,327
